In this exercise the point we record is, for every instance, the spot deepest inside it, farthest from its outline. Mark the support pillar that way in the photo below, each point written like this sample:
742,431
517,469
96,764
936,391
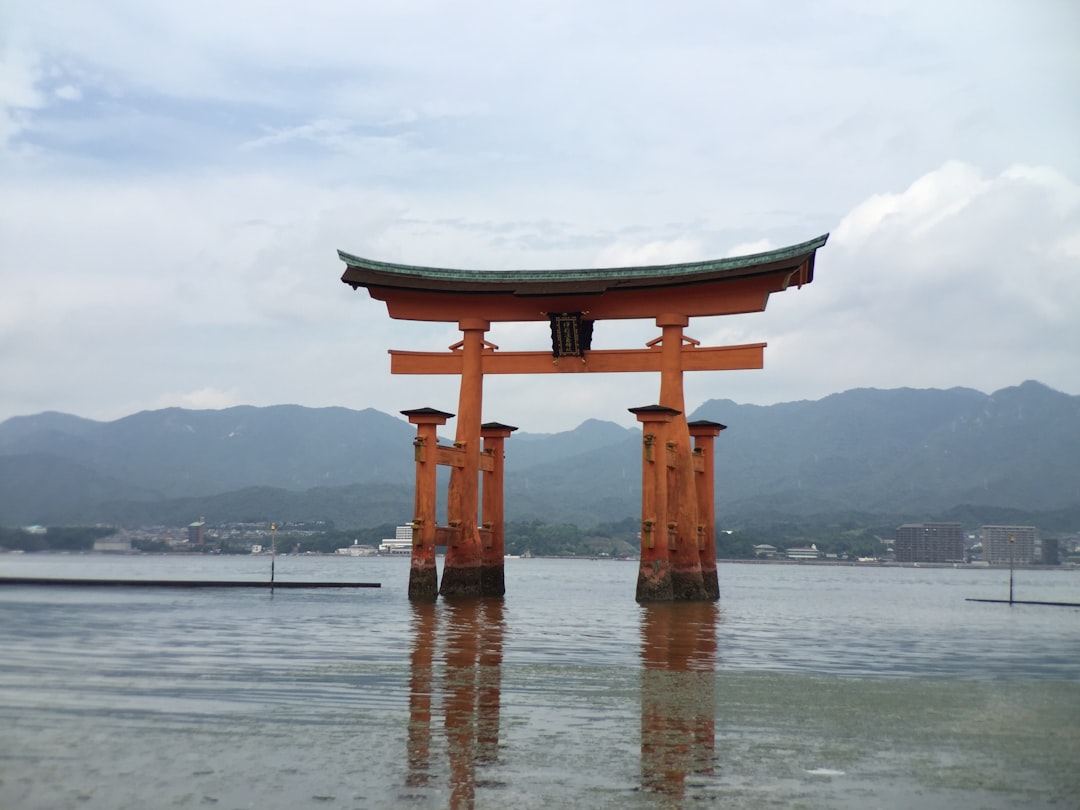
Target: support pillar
461,570
686,576
423,576
493,549
704,432
654,570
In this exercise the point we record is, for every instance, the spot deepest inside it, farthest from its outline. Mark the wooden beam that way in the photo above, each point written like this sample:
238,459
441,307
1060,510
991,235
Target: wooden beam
694,358
455,457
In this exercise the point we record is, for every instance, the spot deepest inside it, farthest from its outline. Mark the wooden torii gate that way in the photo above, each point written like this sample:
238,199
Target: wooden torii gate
678,544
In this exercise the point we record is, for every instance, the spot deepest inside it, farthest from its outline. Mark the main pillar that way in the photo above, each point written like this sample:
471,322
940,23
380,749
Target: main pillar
654,570
493,549
461,569
686,575
704,432
423,576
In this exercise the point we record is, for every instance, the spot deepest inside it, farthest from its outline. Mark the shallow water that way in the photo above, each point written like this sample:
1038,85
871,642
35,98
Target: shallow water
807,686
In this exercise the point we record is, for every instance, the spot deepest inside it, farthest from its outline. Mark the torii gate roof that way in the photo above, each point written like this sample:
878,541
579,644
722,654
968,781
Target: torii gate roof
714,287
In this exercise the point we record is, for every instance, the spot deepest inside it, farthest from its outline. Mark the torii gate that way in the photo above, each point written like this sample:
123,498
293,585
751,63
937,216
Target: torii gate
678,543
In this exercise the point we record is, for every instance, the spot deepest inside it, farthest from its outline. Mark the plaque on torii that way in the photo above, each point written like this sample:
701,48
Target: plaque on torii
678,544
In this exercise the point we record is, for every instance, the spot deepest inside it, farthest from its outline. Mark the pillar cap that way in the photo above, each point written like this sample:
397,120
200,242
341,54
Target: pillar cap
706,426
429,415
654,413
496,427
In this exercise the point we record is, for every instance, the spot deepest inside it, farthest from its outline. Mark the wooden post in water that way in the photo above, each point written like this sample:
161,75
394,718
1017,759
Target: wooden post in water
654,571
461,570
704,433
273,552
492,567
683,517
423,576
1012,547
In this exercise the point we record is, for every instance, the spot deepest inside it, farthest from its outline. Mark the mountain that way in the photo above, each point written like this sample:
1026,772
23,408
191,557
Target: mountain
175,453
903,453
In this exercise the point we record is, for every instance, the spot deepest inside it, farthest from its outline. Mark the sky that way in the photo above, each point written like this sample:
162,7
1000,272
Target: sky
176,178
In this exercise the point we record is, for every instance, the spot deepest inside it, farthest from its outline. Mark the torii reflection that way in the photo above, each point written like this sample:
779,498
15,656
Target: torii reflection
468,634
678,694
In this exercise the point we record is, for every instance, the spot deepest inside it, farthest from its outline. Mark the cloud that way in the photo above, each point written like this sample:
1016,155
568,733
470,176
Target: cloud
624,254
20,74
202,399
177,178
960,279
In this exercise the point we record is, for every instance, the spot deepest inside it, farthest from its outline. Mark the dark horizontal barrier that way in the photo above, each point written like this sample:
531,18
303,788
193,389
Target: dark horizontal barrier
1024,602
179,583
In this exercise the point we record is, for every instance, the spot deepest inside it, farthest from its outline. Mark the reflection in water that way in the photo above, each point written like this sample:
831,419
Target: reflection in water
423,651
469,634
678,693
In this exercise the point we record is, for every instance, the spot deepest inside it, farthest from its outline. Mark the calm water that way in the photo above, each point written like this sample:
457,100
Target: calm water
807,686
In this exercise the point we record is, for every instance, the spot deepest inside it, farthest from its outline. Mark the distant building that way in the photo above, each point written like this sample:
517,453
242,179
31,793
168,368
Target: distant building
196,532
401,544
765,551
113,545
804,552
356,550
1003,545
929,542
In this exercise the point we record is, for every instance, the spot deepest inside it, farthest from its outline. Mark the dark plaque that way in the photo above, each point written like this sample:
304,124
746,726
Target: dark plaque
571,334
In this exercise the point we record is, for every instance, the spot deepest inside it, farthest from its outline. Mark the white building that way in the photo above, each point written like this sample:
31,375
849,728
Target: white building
401,544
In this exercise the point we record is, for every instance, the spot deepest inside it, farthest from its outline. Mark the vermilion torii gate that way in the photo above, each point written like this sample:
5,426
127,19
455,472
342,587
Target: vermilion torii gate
678,544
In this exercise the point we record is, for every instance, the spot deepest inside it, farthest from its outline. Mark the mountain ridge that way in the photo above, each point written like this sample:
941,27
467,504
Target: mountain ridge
906,452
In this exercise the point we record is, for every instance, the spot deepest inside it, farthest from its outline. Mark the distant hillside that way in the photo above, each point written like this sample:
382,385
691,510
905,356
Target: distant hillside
901,451
904,454
181,453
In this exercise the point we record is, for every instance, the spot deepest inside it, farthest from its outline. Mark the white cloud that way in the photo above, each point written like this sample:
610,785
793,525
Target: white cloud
750,248
20,74
185,172
202,399
626,254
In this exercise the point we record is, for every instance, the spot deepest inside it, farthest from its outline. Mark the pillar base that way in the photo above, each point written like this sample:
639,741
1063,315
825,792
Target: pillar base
423,584
712,584
492,580
460,582
654,583
687,586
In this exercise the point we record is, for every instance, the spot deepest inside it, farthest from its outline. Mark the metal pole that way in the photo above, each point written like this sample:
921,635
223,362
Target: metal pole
1012,546
273,550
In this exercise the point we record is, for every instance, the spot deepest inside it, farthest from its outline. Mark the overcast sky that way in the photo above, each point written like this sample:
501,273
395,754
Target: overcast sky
176,177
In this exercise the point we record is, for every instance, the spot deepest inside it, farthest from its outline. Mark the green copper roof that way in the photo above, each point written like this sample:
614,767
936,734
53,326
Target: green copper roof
362,272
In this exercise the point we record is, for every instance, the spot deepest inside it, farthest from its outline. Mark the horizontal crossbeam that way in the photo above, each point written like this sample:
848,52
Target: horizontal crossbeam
694,358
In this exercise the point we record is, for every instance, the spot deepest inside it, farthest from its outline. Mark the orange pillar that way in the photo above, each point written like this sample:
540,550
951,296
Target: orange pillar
461,570
493,549
423,576
654,570
686,577
704,432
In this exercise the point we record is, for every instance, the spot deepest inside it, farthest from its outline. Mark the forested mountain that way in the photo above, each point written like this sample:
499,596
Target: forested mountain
913,454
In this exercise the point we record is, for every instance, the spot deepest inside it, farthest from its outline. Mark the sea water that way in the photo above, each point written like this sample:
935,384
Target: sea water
806,686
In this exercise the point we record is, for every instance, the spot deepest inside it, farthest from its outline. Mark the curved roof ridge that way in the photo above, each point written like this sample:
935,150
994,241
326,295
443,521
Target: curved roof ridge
733,263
